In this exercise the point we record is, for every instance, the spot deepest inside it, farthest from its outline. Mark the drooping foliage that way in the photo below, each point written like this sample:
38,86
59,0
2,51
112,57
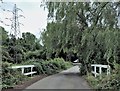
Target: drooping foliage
88,30
75,30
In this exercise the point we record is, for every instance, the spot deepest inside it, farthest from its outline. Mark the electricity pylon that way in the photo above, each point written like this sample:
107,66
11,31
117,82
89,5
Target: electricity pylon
15,26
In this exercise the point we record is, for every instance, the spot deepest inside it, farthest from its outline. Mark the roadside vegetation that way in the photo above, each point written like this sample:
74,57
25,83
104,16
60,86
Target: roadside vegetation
85,31
12,77
91,32
106,82
29,51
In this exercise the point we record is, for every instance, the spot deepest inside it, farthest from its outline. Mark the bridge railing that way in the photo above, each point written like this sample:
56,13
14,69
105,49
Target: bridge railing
100,69
23,67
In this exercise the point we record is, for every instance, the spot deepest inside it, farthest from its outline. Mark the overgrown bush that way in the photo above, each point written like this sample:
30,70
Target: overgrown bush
82,69
49,67
10,77
37,54
61,63
52,66
113,81
93,82
107,82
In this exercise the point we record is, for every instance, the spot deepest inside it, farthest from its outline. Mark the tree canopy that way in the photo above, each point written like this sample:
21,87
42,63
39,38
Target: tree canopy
89,30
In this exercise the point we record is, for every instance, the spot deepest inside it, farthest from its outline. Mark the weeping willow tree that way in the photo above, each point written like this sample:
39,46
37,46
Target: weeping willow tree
88,29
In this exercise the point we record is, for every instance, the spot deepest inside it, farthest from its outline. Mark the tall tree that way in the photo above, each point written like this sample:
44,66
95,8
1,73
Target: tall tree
28,40
75,27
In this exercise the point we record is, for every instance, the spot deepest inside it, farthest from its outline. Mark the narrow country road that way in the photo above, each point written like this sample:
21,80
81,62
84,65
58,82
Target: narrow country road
68,79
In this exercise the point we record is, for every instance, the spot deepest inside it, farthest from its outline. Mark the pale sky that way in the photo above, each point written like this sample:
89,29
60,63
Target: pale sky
35,16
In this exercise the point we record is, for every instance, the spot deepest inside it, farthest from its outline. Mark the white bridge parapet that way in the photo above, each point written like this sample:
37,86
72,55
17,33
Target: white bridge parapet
23,67
100,69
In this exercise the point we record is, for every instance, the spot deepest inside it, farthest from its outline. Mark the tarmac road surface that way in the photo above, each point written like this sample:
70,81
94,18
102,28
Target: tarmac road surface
67,79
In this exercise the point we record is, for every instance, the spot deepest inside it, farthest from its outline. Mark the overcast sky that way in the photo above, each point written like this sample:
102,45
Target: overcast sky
35,16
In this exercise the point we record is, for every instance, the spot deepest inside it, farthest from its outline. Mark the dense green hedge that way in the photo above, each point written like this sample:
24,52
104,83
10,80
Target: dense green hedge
49,67
101,46
10,77
107,82
113,81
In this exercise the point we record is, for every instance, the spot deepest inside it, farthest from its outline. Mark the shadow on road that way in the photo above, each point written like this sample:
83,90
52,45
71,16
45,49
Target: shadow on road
69,74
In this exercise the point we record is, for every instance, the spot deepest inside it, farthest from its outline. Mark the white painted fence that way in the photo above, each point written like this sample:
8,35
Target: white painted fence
100,69
23,68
